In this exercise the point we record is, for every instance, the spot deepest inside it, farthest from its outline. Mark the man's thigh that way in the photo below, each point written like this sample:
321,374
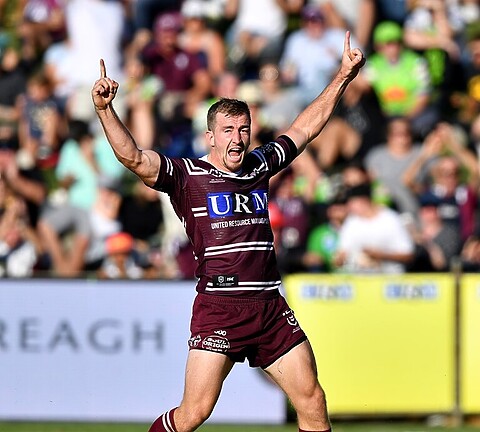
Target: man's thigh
204,377
296,371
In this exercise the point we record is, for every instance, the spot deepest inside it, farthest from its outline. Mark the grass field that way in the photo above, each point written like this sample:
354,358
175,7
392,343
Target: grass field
338,427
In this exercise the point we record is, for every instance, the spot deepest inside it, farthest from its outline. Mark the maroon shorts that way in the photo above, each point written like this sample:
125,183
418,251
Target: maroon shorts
260,330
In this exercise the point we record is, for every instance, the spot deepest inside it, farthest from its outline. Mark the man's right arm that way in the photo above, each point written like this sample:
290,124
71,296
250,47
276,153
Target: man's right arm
144,163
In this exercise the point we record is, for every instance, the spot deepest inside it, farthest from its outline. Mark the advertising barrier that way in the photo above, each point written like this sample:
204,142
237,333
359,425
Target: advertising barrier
109,351
383,344
470,344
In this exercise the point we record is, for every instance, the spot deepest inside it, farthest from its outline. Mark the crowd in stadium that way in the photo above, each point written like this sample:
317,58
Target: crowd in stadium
391,185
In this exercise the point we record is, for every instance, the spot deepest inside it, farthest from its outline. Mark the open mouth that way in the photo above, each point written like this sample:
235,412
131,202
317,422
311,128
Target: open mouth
235,153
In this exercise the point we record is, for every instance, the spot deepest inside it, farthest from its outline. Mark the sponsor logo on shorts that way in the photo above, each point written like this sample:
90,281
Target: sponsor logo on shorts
216,343
220,332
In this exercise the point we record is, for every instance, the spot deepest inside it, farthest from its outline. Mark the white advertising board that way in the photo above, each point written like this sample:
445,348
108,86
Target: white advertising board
81,350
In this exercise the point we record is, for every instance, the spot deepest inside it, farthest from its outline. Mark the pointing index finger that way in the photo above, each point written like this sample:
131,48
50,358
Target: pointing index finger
346,44
103,69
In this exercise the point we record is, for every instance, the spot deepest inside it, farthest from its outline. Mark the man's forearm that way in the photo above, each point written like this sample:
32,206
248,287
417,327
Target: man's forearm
314,118
144,163
120,138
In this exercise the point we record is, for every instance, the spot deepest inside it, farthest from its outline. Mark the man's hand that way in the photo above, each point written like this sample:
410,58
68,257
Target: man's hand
104,89
352,60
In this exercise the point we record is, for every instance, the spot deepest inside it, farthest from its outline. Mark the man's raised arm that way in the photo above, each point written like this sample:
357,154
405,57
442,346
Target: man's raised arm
144,163
313,119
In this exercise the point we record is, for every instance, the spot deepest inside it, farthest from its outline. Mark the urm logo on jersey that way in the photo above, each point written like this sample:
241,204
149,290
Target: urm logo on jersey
224,204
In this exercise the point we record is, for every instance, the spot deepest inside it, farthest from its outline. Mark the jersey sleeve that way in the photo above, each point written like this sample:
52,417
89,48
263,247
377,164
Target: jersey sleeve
276,155
171,177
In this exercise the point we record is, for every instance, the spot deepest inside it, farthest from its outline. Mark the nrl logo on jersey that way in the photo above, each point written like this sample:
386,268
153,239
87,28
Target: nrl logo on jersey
223,204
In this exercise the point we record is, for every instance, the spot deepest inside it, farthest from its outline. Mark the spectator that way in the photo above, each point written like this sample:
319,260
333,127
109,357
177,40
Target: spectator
400,78
295,223
311,73
432,28
42,125
75,238
143,91
470,254
466,99
145,11
356,127
77,170
373,238
13,80
279,103
322,241
446,172
250,92
175,259
355,15
387,163
59,70
92,37
196,37
19,246
43,23
186,83
395,11
436,243
120,262
257,32
355,173
141,216
432,24
26,181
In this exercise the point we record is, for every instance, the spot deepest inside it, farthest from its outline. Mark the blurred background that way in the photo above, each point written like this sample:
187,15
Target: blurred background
377,227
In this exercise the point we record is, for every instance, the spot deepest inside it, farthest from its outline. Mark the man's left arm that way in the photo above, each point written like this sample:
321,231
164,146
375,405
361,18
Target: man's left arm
313,119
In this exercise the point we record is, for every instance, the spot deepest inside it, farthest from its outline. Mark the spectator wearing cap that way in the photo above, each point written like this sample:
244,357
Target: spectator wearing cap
120,260
373,238
186,83
198,38
400,77
311,73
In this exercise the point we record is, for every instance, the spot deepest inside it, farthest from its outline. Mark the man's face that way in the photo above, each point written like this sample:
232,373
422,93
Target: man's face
229,142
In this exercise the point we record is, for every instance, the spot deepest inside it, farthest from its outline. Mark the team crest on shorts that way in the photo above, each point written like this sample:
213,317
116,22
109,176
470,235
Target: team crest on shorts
291,320
194,341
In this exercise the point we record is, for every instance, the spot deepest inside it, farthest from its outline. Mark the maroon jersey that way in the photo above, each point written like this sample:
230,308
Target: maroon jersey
226,218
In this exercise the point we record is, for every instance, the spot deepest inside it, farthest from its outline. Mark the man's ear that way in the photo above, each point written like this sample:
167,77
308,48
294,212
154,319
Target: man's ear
210,138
